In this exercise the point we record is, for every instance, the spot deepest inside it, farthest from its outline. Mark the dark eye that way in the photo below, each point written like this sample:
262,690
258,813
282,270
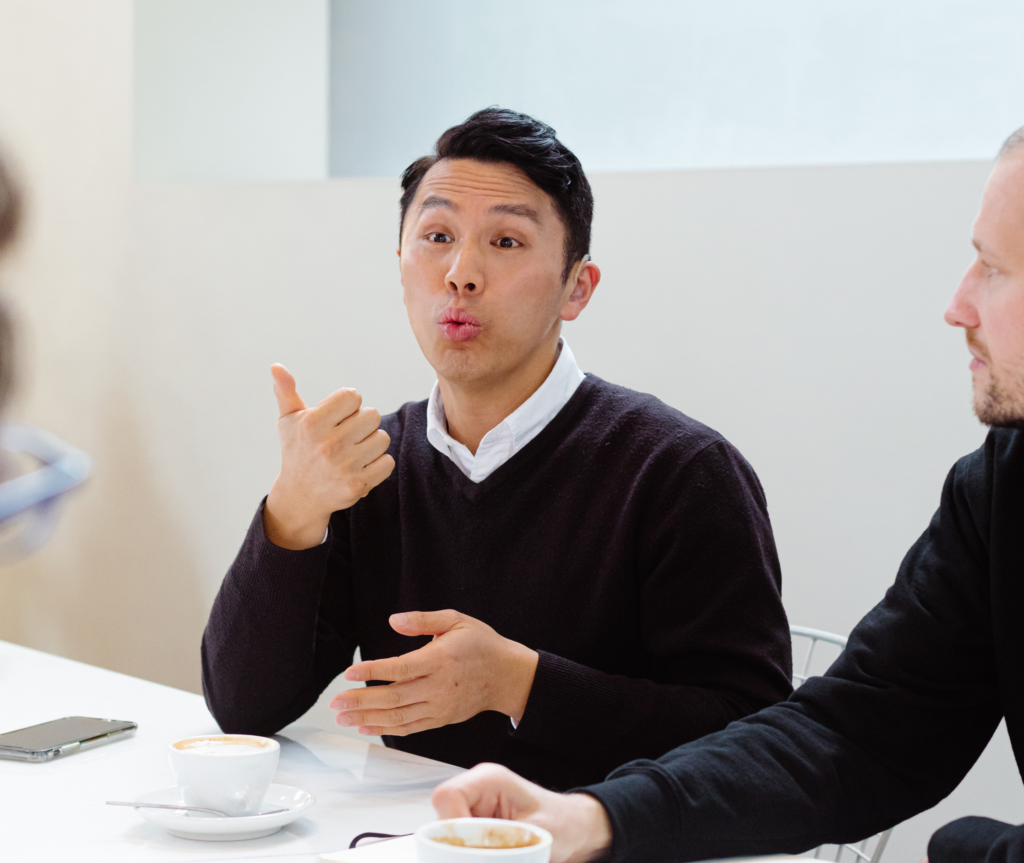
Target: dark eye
438,237
507,243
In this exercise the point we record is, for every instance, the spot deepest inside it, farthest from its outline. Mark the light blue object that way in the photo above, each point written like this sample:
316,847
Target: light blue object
35,496
656,85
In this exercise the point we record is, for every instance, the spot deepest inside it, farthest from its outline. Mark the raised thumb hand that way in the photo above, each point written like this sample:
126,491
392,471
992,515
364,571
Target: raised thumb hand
288,401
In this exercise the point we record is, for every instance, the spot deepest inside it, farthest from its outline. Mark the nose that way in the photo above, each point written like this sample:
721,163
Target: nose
962,310
466,274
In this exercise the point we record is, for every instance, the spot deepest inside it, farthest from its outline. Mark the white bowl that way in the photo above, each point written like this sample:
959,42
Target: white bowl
480,831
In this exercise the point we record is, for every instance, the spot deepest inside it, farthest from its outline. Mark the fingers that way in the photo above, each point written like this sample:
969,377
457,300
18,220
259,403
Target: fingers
366,698
371,448
339,406
426,622
416,663
486,791
398,709
406,719
452,802
408,666
288,401
361,427
400,730
378,470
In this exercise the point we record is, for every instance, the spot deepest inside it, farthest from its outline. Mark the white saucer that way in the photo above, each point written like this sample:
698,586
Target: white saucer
213,828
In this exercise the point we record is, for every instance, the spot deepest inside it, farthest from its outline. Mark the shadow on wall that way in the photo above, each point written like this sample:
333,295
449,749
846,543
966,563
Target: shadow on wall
116,586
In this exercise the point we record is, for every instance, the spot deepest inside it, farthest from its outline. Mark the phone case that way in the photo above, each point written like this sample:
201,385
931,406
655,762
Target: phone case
17,753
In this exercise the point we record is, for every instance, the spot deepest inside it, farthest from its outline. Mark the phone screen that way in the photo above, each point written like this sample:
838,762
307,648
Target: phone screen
59,732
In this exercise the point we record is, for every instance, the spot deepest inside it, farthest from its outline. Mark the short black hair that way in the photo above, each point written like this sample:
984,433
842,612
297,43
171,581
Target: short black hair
499,135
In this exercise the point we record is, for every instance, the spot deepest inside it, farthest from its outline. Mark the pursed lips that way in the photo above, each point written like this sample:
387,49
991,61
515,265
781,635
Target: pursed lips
458,325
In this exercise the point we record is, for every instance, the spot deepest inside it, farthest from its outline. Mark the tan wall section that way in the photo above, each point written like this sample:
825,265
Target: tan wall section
116,585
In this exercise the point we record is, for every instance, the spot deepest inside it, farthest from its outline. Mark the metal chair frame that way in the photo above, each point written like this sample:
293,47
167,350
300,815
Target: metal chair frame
859,849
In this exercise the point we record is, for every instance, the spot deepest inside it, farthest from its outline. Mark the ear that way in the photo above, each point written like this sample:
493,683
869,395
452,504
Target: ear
586,283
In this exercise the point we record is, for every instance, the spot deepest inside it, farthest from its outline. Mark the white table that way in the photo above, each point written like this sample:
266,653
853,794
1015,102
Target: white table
56,810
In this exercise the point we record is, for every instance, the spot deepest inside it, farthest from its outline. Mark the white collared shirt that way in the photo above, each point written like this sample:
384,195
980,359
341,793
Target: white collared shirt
516,430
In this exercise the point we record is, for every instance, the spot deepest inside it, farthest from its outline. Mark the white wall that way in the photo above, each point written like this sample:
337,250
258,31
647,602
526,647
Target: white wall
231,89
797,310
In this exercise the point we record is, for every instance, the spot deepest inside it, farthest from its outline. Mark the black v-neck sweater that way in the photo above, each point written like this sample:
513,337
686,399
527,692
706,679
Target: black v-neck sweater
627,543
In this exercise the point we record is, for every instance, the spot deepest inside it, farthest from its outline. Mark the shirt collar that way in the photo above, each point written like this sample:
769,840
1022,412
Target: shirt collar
520,426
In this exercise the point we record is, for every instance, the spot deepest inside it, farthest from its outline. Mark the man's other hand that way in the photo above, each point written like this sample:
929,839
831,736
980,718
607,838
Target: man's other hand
468,668
332,455
577,822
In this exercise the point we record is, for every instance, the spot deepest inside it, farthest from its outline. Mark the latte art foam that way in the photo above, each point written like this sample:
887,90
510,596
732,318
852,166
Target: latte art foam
222,747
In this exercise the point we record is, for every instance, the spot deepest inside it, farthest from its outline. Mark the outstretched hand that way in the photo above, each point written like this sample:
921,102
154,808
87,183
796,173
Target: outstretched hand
578,823
332,455
467,668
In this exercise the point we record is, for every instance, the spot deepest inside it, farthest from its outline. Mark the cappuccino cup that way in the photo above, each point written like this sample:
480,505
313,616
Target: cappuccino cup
482,840
228,772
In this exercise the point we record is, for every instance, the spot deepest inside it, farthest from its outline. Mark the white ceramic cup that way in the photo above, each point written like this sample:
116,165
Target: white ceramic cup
481,831
229,772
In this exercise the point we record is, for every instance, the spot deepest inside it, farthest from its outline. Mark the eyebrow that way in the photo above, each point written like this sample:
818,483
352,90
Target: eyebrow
518,210
432,201
437,201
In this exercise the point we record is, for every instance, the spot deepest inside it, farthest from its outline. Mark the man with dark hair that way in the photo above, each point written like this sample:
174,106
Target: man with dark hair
10,216
908,707
604,565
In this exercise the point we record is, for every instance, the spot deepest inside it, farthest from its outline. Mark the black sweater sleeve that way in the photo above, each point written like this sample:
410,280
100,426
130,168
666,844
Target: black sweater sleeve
977,840
711,623
279,631
892,728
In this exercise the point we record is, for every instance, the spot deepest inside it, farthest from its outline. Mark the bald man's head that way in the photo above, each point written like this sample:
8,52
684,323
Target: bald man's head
1012,144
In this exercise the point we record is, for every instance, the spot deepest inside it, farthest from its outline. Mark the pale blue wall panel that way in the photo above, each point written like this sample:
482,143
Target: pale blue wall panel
655,84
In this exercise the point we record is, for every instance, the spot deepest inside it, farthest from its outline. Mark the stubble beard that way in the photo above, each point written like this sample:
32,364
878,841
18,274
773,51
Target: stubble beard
1001,404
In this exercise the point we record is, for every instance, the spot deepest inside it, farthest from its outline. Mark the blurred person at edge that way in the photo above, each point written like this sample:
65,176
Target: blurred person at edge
903,714
10,212
604,566
29,500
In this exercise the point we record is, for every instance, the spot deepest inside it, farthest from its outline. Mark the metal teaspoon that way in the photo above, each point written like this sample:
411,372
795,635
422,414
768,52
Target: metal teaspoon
187,808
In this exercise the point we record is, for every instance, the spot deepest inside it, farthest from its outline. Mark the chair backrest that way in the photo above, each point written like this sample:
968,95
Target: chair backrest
809,640
814,650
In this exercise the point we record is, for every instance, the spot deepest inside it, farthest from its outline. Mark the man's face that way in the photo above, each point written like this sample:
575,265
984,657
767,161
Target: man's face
989,304
481,259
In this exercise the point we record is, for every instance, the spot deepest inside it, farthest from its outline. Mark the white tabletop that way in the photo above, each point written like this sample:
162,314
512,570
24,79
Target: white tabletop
56,810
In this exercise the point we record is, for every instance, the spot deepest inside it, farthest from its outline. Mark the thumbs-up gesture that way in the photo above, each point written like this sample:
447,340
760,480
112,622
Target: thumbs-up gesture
332,454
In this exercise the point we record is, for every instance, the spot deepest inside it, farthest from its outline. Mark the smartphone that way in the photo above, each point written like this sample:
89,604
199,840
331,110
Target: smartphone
62,737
